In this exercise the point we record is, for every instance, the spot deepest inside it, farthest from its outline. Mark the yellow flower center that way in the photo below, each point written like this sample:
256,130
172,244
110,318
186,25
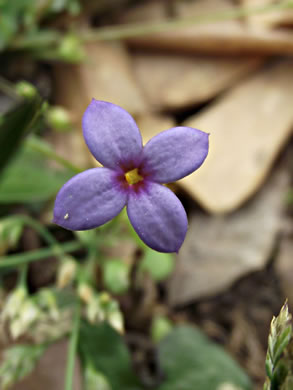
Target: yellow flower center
133,177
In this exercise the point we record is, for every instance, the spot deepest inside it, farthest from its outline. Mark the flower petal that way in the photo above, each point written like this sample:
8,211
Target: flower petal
111,134
89,200
175,153
158,217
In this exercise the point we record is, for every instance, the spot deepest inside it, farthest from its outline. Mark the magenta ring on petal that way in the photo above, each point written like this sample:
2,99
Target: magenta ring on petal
132,177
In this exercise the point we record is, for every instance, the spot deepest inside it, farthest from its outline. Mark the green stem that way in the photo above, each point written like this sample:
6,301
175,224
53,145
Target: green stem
72,349
140,29
43,148
39,254
43,232
23,276
134,30
91,262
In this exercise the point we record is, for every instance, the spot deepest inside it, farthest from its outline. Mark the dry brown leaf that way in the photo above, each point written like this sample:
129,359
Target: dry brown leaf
248,128
152,124
218,250
284,268
106,75
268,19
225,37
178,81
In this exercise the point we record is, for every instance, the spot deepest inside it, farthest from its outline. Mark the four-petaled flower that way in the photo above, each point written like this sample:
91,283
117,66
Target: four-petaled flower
132,176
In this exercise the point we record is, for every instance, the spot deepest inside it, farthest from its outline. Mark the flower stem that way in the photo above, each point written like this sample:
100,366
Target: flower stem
39,254
134,30
72,348
23,276
43,232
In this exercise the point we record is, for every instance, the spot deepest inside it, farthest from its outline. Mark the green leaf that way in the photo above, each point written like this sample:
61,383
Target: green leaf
158,265
18,362
10,233
16,124
190,361
94,380
116,276
103,350
28,179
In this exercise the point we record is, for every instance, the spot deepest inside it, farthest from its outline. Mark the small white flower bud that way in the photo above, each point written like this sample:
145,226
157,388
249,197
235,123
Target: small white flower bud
115,319
66,272
85,292
28,314
15,328
14,303
94,311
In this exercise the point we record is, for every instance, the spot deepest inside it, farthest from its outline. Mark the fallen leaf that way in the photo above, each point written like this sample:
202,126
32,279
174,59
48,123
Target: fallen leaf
284,268
230,36
182,80
218,250
248,128
152,124
106,75
268,19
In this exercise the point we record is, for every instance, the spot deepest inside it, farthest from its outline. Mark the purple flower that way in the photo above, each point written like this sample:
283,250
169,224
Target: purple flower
132,176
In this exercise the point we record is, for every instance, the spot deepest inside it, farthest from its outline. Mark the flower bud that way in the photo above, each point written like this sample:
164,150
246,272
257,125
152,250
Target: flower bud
115,319
95,312
26,89
161,326
14,303
47,301
85,292
28,314
71,49
59,118
66,272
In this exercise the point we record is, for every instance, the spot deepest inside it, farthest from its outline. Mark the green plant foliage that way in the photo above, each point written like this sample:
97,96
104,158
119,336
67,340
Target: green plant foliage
102,349
280,353
26,15
10,233
116,276
158,265
29,179
18,362
94,380
16,124
190,361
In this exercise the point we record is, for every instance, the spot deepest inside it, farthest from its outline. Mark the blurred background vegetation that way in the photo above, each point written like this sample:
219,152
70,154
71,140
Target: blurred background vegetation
98,310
